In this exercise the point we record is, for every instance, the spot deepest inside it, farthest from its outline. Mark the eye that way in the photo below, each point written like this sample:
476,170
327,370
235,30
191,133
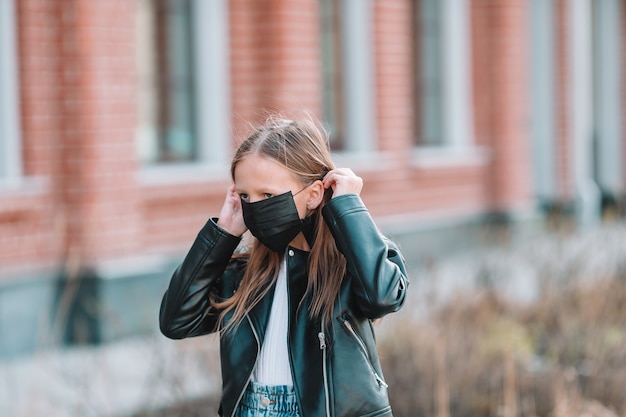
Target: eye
244,196
268,195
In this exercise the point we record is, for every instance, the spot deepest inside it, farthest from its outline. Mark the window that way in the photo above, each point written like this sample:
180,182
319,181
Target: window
428,106
347,63
443,109
167,82
10,151
332,71
183,87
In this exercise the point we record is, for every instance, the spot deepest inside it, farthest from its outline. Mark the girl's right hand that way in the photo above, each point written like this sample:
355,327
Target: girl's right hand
231,215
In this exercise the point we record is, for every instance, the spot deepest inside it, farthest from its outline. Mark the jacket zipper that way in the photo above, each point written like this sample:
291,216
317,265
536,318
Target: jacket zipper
322,337
348,325
258,351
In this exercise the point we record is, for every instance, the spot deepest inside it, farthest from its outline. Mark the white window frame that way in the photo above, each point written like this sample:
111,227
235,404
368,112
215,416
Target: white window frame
607,108
11,165
212,101
457,147
581,124
543,113
360,120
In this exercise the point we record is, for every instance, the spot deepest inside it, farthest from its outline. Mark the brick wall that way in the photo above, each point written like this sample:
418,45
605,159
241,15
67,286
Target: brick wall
98,119
481,71
79,112
623,86
77,86
395,76
274,59
504,121
563,79
28,215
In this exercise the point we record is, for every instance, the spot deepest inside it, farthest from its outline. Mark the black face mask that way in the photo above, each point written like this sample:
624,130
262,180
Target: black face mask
275,221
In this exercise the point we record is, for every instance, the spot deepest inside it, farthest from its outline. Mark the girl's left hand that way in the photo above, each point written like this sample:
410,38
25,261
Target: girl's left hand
343,181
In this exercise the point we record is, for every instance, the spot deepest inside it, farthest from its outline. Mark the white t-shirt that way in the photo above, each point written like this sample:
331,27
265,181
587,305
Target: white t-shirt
273,367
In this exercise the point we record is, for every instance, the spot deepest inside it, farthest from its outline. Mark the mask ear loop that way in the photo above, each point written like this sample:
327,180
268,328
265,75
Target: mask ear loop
302,190
305,187
326,192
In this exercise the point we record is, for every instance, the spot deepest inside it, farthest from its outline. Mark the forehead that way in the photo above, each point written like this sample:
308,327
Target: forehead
256,171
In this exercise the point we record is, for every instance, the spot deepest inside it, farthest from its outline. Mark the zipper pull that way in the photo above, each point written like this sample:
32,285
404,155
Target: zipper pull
381,382
322,338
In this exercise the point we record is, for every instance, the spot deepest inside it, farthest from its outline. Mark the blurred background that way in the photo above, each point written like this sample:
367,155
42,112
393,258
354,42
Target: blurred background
490,135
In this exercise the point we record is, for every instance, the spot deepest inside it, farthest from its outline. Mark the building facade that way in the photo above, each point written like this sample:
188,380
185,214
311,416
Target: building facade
118,119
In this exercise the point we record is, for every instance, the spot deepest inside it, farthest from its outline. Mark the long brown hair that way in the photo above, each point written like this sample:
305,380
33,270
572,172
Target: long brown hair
301,147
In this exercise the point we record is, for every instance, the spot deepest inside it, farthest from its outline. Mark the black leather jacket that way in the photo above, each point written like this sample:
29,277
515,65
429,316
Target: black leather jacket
335,369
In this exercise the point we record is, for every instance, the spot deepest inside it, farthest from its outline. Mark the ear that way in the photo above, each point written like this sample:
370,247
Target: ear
315,195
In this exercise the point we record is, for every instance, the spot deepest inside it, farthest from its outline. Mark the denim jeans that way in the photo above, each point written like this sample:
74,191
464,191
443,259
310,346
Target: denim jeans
265,400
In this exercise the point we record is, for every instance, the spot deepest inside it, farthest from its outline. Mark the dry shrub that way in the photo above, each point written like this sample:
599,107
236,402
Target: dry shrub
483,355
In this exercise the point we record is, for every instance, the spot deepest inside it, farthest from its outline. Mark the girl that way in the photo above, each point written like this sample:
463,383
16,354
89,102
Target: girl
294,307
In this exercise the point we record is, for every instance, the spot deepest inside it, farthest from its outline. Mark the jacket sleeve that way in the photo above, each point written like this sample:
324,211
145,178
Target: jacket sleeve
379,279
185,308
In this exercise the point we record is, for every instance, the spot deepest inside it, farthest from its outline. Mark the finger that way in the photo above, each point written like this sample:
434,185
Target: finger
335,176
331,182
230,192
327,180
234,196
